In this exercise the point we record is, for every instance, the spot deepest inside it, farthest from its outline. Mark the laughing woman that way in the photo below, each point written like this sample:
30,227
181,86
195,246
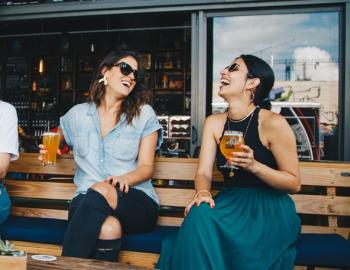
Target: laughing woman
252,223
114,138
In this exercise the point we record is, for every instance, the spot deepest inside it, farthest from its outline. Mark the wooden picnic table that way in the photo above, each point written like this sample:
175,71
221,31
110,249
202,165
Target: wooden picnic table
70,263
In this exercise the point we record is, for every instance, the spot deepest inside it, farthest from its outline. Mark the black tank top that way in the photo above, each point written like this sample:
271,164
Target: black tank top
241,177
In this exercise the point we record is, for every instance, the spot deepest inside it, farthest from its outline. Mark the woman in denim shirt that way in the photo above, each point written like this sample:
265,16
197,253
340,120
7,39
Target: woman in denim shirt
114,138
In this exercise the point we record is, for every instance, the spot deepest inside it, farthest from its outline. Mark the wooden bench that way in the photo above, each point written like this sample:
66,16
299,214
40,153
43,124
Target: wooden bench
48,197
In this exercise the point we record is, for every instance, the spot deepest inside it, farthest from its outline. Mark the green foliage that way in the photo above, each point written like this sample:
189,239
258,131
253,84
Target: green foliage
8,249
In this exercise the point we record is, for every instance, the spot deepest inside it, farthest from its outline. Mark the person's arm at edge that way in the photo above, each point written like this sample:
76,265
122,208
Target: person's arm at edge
4,163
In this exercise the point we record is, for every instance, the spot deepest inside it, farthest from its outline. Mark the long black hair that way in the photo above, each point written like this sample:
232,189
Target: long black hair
258,68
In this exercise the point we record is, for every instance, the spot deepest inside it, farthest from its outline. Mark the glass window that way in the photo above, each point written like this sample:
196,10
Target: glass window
303,50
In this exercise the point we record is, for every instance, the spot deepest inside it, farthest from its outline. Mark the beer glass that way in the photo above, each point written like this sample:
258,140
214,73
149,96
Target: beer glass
229,143
51,141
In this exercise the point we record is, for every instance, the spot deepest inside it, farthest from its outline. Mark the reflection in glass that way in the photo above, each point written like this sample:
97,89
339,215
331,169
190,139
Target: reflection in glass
302,49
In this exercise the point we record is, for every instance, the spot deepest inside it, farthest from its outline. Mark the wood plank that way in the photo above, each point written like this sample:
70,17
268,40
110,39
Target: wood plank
306,204
170,221
39,212
312,173
175,169
143,259
324,229
322,205
39,189
38,248
175,196
325,173
29,163
73,263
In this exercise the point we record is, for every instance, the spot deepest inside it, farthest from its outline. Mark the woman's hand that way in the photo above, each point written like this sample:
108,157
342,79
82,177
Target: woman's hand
198,200
118,181
43,153
244,159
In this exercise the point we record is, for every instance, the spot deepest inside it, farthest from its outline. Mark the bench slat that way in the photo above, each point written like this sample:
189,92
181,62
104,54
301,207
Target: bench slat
40,189
312,173
306,204
39,212
322,205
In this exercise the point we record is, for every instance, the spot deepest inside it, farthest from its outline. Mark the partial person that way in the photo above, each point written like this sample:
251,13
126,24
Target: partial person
252,222
114,138
8,151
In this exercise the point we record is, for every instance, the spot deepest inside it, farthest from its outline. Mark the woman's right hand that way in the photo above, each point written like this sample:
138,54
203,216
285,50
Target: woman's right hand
204,198
42,153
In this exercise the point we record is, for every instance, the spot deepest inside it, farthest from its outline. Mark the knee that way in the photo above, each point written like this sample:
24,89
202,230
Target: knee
108,192
111,229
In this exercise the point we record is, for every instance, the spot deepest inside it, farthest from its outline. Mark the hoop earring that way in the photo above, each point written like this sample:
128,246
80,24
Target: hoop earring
103,80
252,94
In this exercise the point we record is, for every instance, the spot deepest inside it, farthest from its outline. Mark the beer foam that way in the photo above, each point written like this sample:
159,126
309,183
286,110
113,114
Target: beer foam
50,134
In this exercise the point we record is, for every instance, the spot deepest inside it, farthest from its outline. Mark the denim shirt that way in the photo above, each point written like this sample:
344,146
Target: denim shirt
116,154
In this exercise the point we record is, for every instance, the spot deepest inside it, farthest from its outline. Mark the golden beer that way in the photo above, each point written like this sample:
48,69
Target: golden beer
230,141
51,141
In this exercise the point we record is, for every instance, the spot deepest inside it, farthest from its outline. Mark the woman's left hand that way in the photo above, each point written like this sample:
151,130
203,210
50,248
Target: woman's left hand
119,181
244,159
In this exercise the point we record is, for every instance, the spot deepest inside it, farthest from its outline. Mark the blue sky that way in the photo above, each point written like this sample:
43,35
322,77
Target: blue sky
276,36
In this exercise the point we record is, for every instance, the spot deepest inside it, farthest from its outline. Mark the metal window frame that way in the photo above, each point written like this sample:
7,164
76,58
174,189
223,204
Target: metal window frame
342,7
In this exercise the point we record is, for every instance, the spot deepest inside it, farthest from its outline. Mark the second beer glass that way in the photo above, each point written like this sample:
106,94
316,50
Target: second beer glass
230,143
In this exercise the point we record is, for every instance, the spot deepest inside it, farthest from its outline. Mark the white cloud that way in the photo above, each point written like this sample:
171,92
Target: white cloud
277,35
315,64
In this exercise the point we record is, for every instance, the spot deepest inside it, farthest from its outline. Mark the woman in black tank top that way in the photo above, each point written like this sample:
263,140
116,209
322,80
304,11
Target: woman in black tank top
252,222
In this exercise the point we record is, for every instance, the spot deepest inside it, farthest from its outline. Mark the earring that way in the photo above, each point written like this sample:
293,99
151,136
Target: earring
252,94
104,80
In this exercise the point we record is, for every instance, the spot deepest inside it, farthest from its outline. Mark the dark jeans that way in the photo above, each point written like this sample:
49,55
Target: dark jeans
136,211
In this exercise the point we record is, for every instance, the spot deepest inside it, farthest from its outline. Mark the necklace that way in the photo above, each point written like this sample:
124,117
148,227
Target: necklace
240,120
231,173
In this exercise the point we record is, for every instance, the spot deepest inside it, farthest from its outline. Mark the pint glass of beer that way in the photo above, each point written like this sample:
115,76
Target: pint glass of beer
230,143
51,141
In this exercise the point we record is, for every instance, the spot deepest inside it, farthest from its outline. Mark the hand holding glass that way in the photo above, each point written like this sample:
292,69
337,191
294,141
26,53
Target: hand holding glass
51,141
231,142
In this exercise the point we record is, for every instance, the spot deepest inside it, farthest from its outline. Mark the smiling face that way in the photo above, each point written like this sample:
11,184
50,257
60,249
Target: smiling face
119,80
233,79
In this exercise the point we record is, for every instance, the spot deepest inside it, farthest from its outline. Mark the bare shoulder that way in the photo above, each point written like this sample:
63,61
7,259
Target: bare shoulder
216,120
271,121
214,125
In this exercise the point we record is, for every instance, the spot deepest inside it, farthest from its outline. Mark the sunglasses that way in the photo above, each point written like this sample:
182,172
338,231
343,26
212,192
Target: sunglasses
234,67
126,69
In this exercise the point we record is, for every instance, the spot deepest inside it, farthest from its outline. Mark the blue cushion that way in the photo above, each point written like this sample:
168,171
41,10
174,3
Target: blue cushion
327,250
51,231
147,242
42,230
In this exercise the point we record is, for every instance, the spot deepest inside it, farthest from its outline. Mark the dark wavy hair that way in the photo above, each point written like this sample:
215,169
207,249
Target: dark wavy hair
139,96
258,68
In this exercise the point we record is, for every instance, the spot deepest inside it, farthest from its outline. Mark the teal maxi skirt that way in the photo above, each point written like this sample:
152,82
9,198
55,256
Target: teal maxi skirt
248,229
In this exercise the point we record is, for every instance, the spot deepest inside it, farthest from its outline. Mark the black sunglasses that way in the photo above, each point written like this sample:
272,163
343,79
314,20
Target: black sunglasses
126,69
234,67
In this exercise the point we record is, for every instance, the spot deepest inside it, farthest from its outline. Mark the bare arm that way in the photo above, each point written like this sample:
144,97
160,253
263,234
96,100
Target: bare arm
145,166
4,163
207,156
282,143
